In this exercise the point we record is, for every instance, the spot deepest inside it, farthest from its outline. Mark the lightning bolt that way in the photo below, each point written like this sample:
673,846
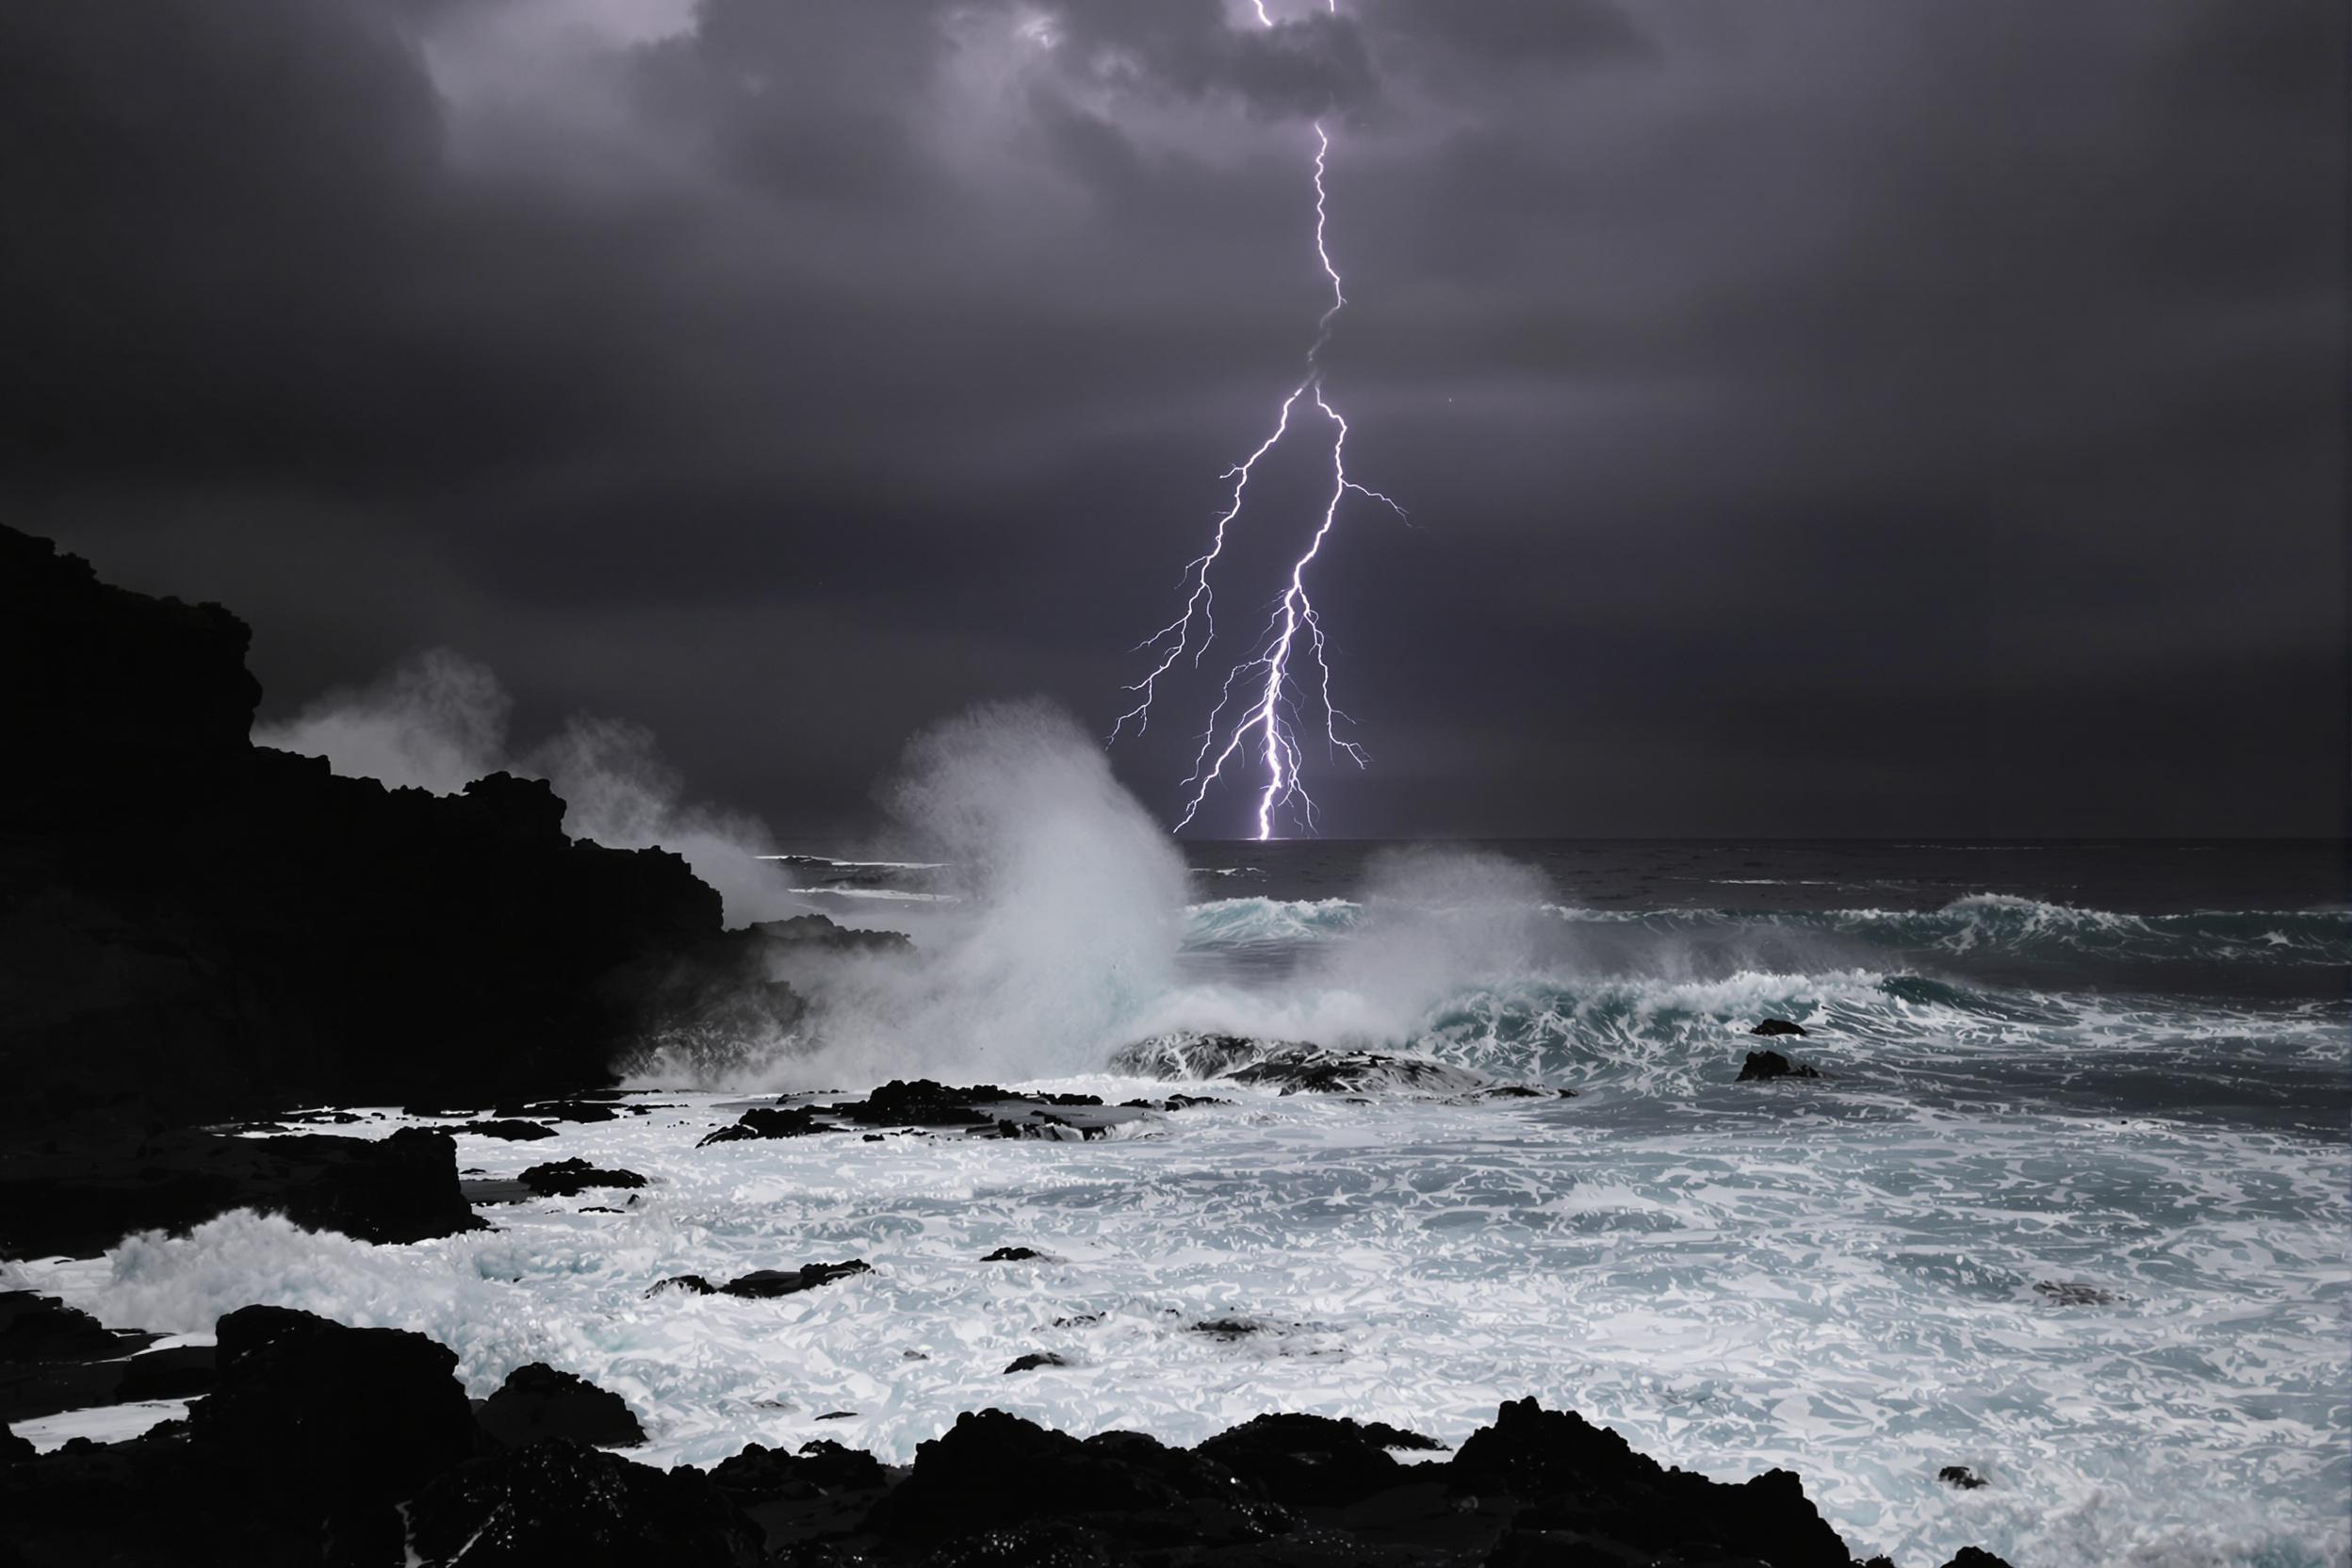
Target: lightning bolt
1264,732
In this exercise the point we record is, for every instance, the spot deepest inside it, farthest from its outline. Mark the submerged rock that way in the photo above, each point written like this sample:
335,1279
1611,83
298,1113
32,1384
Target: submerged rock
1035,1360
1763,1066
537,1401
2074,1293
1961,1477
1013,1254
1776,1026
510,1128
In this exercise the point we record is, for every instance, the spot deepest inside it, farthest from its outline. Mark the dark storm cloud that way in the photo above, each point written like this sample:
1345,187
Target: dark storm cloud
1891,418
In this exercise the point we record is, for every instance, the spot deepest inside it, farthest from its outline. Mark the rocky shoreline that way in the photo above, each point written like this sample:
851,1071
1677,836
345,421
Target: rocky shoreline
318,1443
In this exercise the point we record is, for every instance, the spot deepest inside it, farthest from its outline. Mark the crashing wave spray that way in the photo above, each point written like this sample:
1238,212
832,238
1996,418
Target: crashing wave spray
1263,731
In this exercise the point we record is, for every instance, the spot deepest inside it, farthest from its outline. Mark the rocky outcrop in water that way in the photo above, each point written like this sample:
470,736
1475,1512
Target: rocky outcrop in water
1764,1066
79,1199
1295,1067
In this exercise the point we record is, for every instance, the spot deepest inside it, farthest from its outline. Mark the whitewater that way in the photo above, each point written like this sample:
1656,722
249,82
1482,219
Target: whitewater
2069,1207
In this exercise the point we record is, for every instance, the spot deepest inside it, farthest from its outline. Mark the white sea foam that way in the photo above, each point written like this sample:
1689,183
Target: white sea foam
1762,1279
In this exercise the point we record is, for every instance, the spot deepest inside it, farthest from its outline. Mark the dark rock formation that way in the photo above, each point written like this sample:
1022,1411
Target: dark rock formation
81,1201
1583,1482
1295,1067
570,1178
1961,1477
537,1401
1975,1557
13,1448
763,1282
204,930
991,1471
1763,1066
1013,1254
512,1129
556,1502
56,1358
921,1103
1033,1361
182,1372
316,1430
762,1121
1776,1026
2074,1293
1300,1460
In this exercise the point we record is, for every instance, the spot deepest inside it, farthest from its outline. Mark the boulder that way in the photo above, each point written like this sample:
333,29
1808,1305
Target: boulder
570,1178
1763,1066
763,1121
556,1502
1585,1480
1776,1026
510,1128
537,1401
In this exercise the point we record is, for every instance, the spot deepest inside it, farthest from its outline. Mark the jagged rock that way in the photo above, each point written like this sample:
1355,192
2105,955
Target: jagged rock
1013,1254
1961,1477
570,1178
1763,1066
1776,1026
820,1465
512,1130
764,1283
992,1471
792,1121
537,1401
36,1327
1295,1067
201,930
1586,1480
1302,1460
921,1102
1975,1557
80,1202
1035,1360
558,1502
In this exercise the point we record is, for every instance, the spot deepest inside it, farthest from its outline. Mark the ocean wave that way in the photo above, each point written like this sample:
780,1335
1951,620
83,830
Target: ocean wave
1980,924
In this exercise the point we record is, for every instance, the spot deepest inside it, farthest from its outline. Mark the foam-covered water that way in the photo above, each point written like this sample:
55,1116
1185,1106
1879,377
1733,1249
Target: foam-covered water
2070,1209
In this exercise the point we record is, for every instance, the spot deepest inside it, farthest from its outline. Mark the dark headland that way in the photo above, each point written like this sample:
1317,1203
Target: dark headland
200,937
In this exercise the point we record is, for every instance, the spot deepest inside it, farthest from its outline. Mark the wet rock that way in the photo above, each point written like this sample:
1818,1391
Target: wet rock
537,1401
36,1327
1052,1128
563,1110
1302,1460
1227,1327
1310,1070
1961,1477
558,1502
1035,1360
1013,1254
13,1448
1763,1066
994,1471
764,1283
1581,1479
1975,1557
766,1122
510,1128
1776,1026
182,1372
570,1178
83,1200
330,1423
921,1103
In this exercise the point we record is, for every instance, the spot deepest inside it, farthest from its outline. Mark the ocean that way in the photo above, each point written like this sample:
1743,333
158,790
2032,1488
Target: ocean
2068,1207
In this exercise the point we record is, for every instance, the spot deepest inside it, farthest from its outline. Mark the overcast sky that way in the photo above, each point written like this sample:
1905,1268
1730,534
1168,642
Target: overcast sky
1874,416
